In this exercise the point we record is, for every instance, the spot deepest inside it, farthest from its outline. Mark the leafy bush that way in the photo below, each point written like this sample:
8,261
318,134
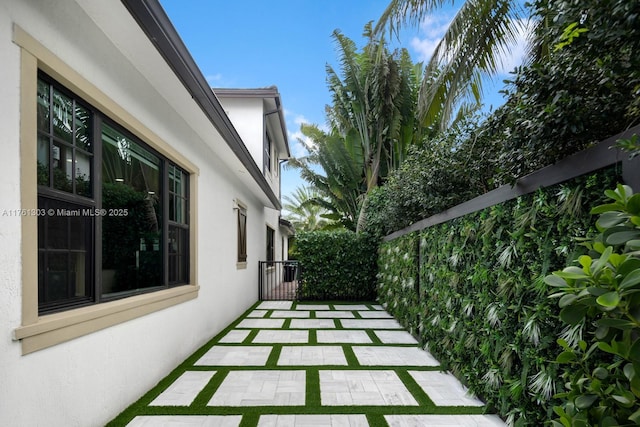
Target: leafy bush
337,265
482,300
601,299
572,96
586,88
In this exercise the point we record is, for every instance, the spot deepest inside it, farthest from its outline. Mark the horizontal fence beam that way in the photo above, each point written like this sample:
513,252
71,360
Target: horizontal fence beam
599,156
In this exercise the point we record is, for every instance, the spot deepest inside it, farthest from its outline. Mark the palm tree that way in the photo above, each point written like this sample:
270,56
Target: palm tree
339,184
471,48
302,211
373,106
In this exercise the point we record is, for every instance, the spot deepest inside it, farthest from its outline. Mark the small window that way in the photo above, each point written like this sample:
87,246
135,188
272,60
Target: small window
271,239
242,234
267,153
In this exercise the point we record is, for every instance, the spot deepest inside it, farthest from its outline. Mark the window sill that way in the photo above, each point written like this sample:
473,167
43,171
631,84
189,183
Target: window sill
241,266
57,328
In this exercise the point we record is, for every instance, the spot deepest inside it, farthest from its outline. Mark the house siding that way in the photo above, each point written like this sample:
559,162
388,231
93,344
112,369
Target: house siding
88,378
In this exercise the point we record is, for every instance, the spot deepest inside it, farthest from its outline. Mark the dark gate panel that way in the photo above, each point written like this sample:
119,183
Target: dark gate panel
278,280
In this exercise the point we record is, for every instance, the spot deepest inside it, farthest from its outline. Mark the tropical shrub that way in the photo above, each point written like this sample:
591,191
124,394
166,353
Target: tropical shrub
481,299
337,265
600,299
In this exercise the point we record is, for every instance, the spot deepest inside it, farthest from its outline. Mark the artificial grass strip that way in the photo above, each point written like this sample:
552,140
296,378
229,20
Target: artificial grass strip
313,337
207,392
313,404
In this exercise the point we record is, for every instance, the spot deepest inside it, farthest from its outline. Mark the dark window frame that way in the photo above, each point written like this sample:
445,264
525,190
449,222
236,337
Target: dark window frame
48,194
242,234
271,244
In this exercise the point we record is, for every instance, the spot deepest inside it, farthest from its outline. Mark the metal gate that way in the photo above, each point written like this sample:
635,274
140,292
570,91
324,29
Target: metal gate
278,280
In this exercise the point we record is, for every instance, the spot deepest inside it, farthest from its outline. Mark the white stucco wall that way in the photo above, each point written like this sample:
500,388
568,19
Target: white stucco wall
89,380
247,116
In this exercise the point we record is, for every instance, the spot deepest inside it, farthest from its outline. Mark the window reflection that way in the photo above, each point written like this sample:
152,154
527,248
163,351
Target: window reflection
131,242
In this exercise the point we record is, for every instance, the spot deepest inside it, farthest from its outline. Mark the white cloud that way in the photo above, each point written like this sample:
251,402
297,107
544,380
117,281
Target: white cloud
298,143
432,30
517,50
213,78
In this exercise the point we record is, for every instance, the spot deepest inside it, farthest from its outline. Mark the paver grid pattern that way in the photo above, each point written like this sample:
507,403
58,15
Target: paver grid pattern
288,364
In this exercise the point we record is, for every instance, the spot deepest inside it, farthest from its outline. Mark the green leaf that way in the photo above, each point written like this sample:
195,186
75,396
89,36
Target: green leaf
634,352
555,281
631,279
635,417
573,314
567,299
615,323
600,373
566,357
585,401
633,204
610,219
622,237
625,398
585,262
610,300
602,261
606,208
571,273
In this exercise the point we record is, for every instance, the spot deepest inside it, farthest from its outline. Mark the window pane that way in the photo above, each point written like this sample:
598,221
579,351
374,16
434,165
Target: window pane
62,167
57,231
131,241
57,278
178,238
62,117
83,174
43,106
43,160
83,128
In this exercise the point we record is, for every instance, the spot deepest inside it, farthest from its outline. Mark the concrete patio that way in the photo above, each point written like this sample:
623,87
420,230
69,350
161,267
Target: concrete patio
287,364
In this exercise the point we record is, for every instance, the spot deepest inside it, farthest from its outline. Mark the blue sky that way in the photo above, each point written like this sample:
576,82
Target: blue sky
287,43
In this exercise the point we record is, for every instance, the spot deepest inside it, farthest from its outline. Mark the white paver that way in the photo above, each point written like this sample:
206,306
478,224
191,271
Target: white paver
343,337
395,337
261,323
312,324
377,307
258,313
281,337
362,387
444,389
184,390
312,307
275,305
375,314
235,355
235,336
186,421
332,420
315,355
370,324
393,356
261,388
340,314
290,314
444,420
350,307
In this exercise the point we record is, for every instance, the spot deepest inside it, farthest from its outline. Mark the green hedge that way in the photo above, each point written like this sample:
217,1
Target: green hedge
337,265
481,306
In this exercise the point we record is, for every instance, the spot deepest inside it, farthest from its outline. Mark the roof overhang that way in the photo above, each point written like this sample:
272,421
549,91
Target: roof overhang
155,23
270,94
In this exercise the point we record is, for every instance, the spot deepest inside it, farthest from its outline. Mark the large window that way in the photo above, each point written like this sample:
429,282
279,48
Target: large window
113,213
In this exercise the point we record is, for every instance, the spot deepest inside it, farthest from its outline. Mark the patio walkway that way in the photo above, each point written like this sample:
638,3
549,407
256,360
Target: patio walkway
287,364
